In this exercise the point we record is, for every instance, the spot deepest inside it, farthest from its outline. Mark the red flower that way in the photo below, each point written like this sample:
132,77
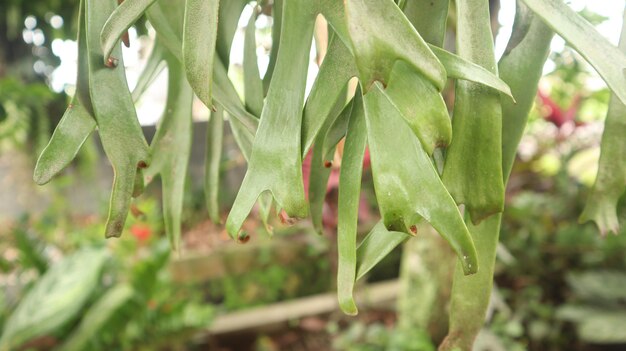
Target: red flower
141,232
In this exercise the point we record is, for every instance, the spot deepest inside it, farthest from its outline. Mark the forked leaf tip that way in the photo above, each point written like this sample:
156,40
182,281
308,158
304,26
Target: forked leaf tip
603,213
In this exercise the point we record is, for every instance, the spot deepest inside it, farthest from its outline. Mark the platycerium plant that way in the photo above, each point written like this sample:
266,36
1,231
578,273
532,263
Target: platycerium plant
425,161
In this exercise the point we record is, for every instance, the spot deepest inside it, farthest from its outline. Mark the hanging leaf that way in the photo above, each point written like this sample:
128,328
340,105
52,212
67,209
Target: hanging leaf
69,136
336,132
171,147
253,85
460,68
320,169
118,127
334,74
215,135
520,67
229,14
77,122
406,183
124,16
349,195
167,17
277,19
154,66
378,243
473,168
199,37
276,163
609,61
610,181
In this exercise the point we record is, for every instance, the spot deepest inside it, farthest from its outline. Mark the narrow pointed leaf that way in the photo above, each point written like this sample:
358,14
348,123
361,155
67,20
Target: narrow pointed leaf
335,72
319,168
277,19
83,96
77,122
171,147
276,161
460,68
226,95
406,182
521,67
74,128
380,40
378,243
318,186
118,127
336,132
229,14
215,134
199,37
167,17
473,167
253,85
154,66
349,194
610,181
243,137
124,16
609,61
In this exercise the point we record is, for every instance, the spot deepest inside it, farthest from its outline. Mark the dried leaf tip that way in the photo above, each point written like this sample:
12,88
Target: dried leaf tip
111,62
243,237
285,219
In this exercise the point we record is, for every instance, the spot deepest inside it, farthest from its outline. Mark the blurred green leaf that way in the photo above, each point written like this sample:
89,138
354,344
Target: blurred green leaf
97,316
596,286
55,299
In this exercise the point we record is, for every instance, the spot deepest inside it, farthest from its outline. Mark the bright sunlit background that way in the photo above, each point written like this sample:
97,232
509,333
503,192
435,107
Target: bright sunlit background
151,105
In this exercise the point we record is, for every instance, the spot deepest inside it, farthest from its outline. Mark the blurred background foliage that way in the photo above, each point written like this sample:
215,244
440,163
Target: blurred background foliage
559,285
